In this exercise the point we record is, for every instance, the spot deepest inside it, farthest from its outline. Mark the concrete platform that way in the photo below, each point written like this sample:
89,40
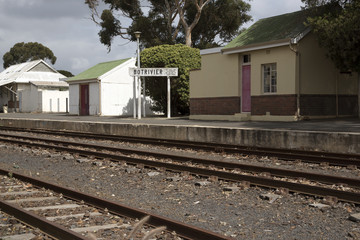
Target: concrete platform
335,135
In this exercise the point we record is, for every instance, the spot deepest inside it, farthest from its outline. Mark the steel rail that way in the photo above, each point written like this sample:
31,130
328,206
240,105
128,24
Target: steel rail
254,180
325,178
337,159
50,228
184,230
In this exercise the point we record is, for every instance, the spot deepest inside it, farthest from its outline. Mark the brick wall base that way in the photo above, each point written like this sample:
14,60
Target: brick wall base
215,106
325,105
280,105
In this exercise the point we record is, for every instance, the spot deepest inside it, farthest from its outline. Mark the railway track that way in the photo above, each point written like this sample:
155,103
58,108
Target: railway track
265,177
336,159
62,213
196,160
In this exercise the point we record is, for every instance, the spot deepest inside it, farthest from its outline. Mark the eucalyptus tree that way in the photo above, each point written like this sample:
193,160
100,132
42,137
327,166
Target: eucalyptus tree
23,52
192,22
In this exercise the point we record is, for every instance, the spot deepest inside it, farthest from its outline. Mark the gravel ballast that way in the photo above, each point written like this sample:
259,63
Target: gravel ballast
223,207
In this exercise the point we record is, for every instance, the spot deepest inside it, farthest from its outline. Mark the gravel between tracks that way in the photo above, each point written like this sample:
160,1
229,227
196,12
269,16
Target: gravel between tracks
242,214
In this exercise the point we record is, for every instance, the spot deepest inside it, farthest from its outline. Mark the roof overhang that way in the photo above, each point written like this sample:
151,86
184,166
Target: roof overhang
254,47
5,82
81,81
266,45
300,36
211,51
49,84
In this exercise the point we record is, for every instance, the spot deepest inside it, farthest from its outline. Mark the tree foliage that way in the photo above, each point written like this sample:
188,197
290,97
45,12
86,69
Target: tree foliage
220,22
66,73
198,23
317,3
23,52
170,56
339,32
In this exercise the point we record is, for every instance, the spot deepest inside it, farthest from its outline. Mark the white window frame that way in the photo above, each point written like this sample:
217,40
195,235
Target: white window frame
269,78
248,62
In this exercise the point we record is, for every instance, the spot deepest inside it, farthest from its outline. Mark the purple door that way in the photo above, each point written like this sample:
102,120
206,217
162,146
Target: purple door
246,84
84,99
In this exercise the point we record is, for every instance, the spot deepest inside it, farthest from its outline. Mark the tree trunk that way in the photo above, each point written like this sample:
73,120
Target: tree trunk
188,28
188,37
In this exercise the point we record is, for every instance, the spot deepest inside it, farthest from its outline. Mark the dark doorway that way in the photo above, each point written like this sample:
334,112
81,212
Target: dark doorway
246,89
84,100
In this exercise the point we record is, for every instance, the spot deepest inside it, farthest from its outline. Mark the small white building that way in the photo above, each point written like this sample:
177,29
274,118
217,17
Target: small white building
33,87
105,89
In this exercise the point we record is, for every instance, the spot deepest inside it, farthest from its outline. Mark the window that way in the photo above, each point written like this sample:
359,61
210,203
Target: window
269,77
246,58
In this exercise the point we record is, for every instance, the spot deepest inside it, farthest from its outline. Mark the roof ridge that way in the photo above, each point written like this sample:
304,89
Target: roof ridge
276,28
114,61
280,15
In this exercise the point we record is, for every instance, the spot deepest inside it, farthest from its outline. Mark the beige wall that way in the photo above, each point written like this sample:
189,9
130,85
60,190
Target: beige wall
318,74
218,76
310,71
285,60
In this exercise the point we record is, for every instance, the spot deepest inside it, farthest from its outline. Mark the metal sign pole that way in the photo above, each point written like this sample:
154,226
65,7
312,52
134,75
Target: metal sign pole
137,35
139,98
144,101
168,98
134,98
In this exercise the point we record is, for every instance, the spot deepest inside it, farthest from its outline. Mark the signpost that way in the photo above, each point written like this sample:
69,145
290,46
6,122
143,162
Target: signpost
156,72
153,72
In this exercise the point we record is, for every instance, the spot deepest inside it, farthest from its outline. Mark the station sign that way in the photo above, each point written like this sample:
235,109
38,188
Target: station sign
153,72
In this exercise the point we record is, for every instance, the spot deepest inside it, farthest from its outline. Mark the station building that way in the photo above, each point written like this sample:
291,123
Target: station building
33,87
106,89
273,71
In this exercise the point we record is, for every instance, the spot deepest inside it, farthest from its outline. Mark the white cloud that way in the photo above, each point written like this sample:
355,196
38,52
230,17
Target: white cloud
21,3
268,8
79,63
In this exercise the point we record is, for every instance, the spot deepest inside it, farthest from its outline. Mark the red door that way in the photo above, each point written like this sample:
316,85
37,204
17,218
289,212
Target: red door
84,99
246,86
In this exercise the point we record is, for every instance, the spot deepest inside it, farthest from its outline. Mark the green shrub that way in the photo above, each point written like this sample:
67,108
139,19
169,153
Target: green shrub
170,56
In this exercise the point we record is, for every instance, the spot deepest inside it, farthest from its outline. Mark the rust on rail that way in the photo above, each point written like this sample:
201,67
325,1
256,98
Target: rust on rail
182,229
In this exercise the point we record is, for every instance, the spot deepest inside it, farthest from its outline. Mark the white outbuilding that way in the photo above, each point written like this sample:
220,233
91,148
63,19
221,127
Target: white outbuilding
33,87
105,89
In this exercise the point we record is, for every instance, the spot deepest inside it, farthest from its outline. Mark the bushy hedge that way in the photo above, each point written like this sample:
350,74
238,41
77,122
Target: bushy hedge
170,56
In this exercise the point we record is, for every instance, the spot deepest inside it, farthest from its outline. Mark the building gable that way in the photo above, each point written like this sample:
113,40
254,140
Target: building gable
41,67
98,70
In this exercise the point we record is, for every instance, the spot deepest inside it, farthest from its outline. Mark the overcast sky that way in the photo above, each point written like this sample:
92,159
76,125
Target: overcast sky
64,27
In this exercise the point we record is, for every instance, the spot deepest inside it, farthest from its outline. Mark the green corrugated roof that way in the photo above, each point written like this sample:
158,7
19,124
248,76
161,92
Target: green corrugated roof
272,29
97,70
